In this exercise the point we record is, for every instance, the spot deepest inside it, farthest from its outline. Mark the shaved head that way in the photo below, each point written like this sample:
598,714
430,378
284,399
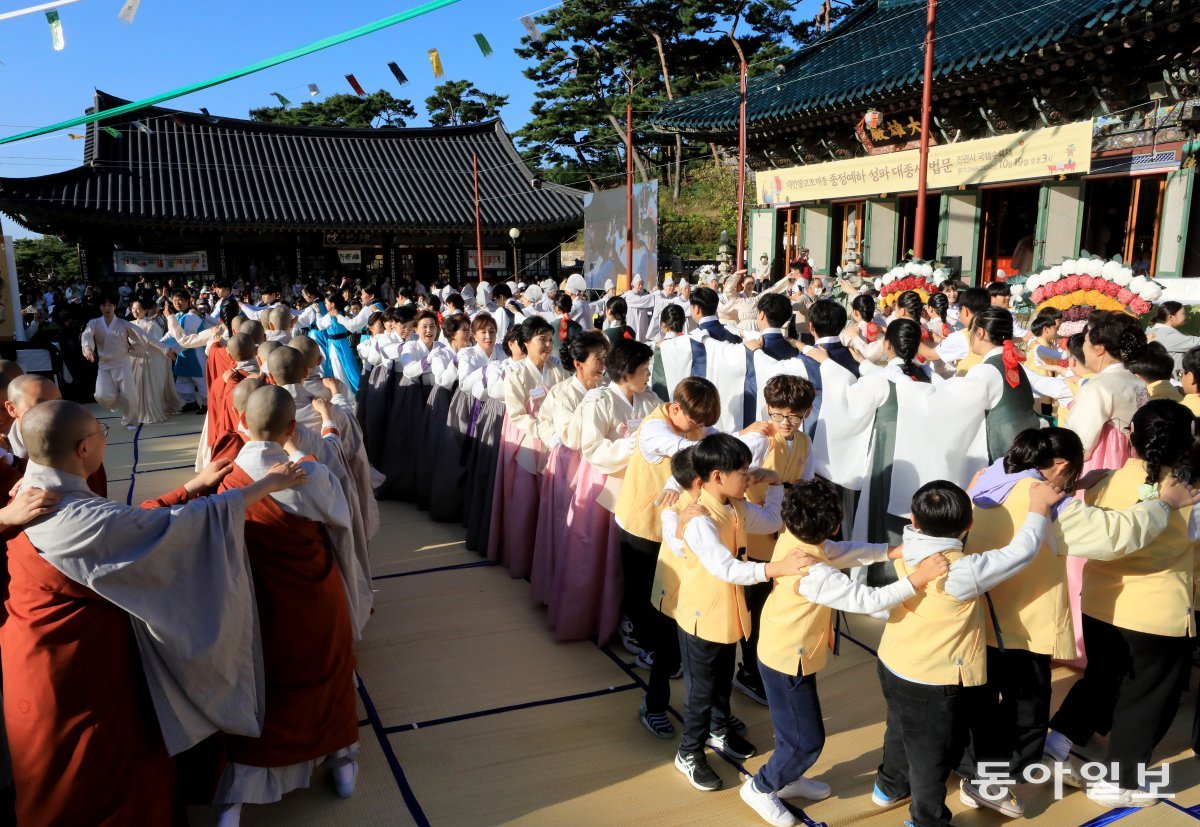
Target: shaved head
242,391
287,366
280,318
266,349
270,412
310,349
254,330
28,390
235,324
241,347
53,430
9,369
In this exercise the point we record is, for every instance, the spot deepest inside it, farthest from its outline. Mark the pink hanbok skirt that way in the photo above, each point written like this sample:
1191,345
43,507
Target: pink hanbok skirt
585,600
1111,452
554,504
514,508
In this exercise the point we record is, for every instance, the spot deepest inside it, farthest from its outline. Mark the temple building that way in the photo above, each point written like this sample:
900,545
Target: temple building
168,192
1058,127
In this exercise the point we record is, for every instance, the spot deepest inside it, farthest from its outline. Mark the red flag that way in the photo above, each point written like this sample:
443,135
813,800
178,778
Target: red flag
355,85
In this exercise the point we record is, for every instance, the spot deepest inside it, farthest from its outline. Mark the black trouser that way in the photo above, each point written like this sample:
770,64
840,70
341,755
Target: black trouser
924,740
1130,689
639,557
1010,714
666,662
756,598
708,681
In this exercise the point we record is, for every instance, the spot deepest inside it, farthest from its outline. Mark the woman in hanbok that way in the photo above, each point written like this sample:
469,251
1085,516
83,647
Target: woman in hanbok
1166,330
341,362
443,369
448,481
485,440
522,452
866,334
1102,412
412,387
608,418
615,327
559,430
152,371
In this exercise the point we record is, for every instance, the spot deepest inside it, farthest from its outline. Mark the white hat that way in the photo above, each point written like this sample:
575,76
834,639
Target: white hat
636,278
549,285
533,293
521,286
668,281
512,285
485,291
608,284
576,283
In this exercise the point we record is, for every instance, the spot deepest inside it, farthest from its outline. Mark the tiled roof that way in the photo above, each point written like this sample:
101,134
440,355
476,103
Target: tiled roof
879,49
199,171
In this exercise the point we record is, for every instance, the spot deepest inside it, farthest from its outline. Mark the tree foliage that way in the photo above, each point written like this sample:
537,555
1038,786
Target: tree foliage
376,109
458,102
45,257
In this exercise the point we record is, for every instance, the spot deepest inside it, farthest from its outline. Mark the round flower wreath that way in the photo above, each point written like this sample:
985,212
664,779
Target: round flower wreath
918,276
1078,286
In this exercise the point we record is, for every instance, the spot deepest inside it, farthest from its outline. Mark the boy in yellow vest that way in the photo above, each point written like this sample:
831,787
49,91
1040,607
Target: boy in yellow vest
788,452
932,652
797,632
1190,379
711,610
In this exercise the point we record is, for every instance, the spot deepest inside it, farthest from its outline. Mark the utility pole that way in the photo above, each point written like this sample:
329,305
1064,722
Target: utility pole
926,115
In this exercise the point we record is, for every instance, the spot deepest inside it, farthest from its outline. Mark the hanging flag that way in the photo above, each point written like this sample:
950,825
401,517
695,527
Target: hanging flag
354,84
282,100
129,10
175,119
56,31
145,130
484,46
75,137
532,28
313,91
400,78
435,60
114,132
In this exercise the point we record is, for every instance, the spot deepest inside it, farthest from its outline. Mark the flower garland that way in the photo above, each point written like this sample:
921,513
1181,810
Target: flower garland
1078,286
918,276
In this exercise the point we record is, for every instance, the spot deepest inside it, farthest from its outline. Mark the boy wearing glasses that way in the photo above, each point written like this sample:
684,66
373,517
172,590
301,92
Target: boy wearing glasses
788,453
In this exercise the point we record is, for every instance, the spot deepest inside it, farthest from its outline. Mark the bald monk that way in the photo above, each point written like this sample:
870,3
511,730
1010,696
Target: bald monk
131,632
230,443
264,352
313,599
313,359
241,351
279,324
24,393
288,369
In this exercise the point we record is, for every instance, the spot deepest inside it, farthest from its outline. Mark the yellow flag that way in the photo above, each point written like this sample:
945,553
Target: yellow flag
435,60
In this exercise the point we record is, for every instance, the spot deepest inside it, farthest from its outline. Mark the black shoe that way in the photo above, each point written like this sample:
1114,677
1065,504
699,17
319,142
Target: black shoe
750,684
189,407
202,410
699,774
732,744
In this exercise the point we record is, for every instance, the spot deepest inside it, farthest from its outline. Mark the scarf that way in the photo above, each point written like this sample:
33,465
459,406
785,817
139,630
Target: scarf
1012,358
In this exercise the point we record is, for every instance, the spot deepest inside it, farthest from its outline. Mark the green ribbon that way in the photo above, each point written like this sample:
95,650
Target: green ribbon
303,51
484,46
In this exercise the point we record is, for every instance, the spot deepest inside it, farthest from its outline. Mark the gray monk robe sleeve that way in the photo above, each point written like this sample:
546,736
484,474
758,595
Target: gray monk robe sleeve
182,575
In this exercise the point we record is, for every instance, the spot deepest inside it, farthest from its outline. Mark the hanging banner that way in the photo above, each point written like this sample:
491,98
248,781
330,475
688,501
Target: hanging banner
354,84
1038,153
532,28
493,261
313,91
141,127
129,10
56,31
484,46
282,100
349,256
400,77
130,261
10,298
435,60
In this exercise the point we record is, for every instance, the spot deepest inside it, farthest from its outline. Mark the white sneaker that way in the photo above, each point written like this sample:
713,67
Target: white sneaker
231,816
998,798
344,777
806,788
1067,770
768,806
1107,794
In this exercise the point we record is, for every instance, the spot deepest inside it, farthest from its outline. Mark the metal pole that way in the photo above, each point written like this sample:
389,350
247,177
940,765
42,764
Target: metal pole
478,227
926,114
741,199
629,187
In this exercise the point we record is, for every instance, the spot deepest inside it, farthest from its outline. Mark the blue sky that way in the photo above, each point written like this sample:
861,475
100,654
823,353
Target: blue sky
175,42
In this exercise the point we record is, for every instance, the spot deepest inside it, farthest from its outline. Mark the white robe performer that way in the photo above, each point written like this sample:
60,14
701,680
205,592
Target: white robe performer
113,345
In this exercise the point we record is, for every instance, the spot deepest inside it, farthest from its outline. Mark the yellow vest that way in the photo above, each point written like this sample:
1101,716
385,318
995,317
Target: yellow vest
794,635
935,638
787,459
669,570
1191,401
709,608
1149,591
1163,389
1032,607
966,363
643,482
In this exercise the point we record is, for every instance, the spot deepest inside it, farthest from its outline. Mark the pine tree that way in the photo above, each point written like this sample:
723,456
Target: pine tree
376,109
457,102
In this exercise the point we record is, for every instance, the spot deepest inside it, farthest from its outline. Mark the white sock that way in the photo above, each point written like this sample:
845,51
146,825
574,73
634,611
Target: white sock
1058,746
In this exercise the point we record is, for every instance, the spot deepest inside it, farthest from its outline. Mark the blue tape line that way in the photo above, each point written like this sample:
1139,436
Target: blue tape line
1110,817
406,791
476,565
483,713
133,468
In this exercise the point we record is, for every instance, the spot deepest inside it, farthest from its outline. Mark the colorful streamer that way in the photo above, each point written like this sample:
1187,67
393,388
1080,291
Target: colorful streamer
355,85
9,15
75,137
532,28
56,31
400,78
282,100
129,10
435,60
141,127
116,133
313,91
484,46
